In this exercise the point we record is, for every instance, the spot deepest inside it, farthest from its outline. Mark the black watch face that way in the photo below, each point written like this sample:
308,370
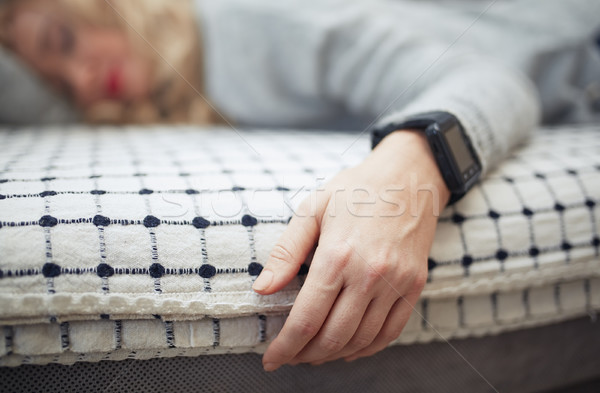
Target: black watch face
460,151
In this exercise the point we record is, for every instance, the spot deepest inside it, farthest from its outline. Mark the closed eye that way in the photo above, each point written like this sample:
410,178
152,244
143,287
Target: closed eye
67,40
56,38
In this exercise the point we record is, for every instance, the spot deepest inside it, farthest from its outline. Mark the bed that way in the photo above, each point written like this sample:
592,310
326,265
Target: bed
135,248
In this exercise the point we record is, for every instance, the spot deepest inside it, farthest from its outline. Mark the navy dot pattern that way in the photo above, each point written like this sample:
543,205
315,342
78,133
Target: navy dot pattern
200,223
48,221
101,221
157,270
254,269
249,221
157,189
51,270
105,270
151,222
207,271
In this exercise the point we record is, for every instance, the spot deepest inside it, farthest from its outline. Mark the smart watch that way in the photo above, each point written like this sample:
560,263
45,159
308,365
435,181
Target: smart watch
451,147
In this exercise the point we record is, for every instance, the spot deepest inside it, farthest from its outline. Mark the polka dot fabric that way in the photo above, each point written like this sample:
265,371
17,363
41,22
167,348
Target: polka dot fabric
109,232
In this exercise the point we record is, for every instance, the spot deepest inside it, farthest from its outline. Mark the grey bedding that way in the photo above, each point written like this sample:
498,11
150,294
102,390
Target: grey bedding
24,99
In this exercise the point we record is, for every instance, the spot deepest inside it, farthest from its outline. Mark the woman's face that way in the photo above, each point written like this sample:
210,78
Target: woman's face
89,64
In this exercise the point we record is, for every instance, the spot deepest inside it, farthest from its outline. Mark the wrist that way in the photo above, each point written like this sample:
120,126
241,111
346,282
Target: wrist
406,152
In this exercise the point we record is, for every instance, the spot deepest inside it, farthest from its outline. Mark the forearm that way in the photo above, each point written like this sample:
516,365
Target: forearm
396,69
375,60
496,105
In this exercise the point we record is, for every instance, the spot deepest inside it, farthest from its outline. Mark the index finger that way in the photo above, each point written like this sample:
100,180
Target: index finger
310,310
290,251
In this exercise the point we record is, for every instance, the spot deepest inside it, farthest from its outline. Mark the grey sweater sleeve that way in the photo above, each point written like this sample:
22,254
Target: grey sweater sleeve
270,62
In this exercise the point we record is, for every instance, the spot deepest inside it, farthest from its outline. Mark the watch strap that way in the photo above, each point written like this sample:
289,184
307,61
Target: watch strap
422,122
419,122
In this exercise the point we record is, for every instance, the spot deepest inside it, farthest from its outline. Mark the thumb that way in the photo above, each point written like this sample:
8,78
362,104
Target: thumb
290,252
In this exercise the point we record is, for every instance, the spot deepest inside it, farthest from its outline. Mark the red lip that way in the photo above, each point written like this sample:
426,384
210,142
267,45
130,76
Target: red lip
114,83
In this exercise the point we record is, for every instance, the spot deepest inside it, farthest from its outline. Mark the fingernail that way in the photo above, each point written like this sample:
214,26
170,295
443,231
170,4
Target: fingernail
270,366
263,280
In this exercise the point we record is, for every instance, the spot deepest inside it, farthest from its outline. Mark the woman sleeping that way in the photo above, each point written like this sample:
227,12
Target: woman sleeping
305,63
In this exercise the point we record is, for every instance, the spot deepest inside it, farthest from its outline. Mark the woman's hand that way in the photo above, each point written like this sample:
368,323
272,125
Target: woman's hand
374,225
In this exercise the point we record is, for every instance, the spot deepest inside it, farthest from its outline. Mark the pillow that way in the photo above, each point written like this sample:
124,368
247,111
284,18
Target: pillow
25,100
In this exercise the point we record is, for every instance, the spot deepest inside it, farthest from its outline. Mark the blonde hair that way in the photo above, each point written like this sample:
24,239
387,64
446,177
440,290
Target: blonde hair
167,35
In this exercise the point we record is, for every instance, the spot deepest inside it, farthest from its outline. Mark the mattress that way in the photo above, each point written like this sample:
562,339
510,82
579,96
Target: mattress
144,242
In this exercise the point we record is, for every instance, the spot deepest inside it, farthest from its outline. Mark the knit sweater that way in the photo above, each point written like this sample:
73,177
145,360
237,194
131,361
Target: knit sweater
304,63
363,64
